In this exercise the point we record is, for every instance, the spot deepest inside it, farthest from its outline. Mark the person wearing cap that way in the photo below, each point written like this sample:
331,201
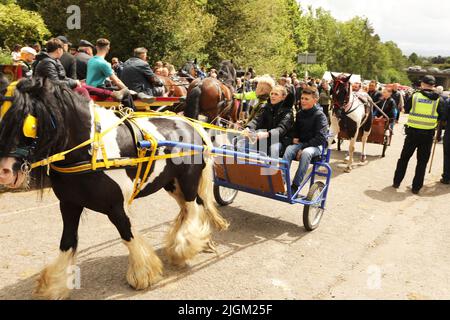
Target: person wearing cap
138,76
68,60
85,53
425,109
27,56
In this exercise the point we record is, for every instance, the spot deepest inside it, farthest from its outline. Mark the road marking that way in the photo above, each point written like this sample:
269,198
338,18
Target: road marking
6,214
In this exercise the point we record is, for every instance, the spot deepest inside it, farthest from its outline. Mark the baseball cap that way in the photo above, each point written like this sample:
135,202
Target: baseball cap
63,39
430,80
28,50
85,43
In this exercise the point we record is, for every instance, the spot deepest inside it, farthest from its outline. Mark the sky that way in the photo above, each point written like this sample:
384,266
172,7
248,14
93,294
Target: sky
421,26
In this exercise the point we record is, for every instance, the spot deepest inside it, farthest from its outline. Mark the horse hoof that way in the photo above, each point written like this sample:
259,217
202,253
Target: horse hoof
347,170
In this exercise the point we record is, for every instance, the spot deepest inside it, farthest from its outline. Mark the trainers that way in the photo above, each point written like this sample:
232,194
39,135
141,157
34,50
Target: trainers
119,95
445,181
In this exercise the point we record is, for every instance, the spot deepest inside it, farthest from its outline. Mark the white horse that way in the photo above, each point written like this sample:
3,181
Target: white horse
349,115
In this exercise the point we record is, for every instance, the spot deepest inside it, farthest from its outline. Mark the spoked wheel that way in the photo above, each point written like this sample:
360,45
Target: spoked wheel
224,196
312,214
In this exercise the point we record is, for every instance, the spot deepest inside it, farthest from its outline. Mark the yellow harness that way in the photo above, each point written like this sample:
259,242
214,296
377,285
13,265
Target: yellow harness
97,145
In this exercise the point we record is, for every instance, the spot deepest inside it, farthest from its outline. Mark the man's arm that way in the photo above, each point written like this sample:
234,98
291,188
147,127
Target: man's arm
116,81
320,135
256,123
408,105
284,126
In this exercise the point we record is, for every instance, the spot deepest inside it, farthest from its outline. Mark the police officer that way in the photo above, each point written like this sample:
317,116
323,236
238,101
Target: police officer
425,110
446,175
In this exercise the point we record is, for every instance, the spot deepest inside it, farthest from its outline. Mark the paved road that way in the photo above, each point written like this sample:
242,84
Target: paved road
374,242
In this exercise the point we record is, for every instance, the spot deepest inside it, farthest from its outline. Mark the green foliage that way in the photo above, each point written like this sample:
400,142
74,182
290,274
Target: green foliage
352,46
264,34
415,59
18,26
5,56
253,33
170,29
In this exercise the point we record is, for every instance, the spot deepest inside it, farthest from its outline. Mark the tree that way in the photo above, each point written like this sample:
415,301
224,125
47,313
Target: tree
414,58
169,29
18,26
253,33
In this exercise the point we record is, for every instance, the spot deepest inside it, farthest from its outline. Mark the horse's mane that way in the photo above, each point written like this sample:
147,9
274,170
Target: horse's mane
51,104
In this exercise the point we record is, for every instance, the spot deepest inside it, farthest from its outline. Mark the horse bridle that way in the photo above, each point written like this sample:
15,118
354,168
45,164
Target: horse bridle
22,153
336,104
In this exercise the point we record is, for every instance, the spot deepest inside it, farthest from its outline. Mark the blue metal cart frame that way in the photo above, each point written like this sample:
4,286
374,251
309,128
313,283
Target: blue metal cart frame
261,160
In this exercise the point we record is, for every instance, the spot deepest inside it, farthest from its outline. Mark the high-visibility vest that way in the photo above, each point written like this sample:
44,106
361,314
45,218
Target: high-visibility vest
423,113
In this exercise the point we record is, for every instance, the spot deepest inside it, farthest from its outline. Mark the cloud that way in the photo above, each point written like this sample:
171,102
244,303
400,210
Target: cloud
415,25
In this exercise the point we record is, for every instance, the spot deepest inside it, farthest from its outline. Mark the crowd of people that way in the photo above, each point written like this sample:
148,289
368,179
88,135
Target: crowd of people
291,115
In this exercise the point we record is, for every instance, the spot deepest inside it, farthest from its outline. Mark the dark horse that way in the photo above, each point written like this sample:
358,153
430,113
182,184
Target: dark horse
65,120
351,114
212,97
190,70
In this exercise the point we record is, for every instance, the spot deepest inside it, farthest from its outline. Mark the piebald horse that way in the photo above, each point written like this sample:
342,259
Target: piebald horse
351,115
65,120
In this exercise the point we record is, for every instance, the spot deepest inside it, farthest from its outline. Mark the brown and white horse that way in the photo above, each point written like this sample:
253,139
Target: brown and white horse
351,115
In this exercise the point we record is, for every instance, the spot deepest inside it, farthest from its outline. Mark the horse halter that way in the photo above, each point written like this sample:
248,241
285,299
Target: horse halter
337,84
29,126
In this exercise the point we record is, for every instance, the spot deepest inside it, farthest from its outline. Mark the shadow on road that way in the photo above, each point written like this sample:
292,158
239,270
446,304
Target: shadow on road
389,194
104,277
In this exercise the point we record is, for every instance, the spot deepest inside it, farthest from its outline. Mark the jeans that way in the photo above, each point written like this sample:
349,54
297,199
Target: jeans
307,155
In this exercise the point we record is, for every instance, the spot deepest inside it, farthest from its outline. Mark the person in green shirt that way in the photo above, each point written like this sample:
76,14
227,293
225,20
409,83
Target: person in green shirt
98,69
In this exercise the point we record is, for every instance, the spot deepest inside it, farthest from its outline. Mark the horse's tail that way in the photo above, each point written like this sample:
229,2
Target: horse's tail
192,109
205,191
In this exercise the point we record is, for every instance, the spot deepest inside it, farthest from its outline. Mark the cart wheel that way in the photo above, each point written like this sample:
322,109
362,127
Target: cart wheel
312,214
224,196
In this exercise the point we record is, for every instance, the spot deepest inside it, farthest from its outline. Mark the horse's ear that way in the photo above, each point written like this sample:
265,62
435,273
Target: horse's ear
195,61
333,76
231,61
348,78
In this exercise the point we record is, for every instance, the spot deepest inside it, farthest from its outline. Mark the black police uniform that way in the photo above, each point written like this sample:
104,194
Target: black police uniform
419,139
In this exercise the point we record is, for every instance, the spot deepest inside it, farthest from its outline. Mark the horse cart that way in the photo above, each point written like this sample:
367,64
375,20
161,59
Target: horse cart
380,134
255,173
155,104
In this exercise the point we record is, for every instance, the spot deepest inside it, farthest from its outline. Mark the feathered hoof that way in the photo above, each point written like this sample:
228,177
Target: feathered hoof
145,275
144,266
51,286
